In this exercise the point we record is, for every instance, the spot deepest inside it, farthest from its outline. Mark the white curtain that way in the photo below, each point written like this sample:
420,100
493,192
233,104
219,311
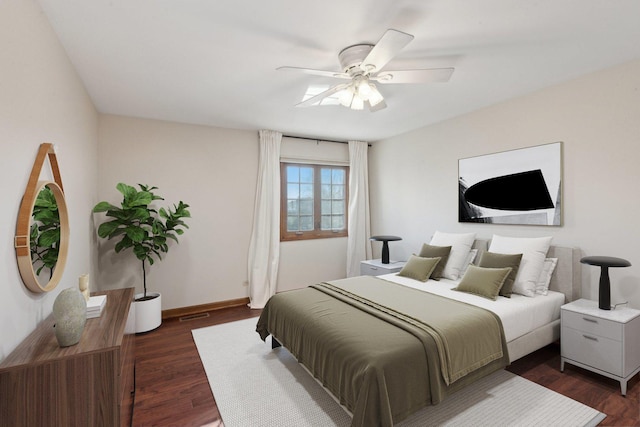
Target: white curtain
358,244
264,249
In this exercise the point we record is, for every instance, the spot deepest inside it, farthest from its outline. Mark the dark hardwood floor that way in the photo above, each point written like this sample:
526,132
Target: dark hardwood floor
172,388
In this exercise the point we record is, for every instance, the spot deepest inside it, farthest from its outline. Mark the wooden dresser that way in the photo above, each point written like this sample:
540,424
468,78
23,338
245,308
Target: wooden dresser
88,384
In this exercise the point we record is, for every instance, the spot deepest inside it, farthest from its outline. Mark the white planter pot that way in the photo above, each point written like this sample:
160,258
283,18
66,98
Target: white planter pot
148,313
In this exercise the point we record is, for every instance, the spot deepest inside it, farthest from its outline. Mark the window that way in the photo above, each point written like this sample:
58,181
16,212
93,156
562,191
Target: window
314,201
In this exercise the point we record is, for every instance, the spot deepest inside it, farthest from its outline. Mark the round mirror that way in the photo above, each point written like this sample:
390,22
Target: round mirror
42,230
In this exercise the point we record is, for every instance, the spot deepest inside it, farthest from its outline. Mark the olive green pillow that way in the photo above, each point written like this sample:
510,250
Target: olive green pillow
495,260
484,282
419,268
442,252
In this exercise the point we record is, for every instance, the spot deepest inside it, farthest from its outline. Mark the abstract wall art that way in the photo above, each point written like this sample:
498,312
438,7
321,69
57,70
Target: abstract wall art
522,186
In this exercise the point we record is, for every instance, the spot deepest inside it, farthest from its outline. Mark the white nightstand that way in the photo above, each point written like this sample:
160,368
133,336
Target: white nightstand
375,267
602,341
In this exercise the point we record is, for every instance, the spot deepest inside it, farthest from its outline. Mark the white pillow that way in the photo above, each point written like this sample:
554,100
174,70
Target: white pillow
533,250
470,258
542,287
460,246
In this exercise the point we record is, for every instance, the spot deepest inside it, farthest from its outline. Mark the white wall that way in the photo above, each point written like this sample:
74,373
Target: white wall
414,176
42,100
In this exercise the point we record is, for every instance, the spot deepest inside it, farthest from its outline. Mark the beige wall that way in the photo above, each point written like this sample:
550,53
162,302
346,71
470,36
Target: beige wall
307,262
413,179
414,176
41,100
215,171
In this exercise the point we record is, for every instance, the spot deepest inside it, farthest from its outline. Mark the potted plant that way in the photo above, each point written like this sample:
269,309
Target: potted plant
146,231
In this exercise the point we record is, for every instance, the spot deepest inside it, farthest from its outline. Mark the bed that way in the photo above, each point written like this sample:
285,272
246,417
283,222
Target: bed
374,347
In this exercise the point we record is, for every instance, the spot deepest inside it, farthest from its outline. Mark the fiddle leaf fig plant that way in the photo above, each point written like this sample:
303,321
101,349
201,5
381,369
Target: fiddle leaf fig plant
141,227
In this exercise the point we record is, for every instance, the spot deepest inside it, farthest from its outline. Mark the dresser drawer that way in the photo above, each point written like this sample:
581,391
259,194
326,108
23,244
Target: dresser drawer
596,351
592,325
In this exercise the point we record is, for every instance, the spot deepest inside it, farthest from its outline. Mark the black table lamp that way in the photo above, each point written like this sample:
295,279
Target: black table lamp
385,245
604,262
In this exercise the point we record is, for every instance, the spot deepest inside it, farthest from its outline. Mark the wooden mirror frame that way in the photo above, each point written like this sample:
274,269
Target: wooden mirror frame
21,243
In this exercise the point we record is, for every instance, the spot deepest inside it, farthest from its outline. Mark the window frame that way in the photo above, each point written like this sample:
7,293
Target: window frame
316,233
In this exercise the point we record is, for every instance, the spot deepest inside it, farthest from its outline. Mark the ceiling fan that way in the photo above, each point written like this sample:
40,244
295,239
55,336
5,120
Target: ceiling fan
362,64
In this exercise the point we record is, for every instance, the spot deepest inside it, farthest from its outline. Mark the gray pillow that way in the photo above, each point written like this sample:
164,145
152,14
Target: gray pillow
495,260
484,282
442,252
419,268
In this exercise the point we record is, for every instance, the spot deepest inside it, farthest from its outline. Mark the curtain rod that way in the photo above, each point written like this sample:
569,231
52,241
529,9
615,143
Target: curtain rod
317,139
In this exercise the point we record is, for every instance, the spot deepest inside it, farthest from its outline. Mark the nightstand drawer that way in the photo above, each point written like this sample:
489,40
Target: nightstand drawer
371,270
596,351
592,325
374,267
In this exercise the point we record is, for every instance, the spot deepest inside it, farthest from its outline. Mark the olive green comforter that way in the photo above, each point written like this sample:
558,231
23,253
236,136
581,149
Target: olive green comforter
385,350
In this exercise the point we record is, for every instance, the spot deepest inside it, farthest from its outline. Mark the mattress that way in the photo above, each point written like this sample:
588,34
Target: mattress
519,314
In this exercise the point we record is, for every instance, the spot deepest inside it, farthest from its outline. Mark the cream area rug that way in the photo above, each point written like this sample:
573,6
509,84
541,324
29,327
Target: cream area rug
254,385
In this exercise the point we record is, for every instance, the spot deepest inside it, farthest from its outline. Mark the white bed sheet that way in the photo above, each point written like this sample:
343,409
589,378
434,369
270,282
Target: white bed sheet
519,314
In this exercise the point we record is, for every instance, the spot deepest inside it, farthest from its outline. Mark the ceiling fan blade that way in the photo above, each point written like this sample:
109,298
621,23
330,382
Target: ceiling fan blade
387,47
379,106
433,75
322,95
311,71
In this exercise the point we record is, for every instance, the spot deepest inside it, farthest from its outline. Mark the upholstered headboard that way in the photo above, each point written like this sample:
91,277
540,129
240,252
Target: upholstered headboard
567,276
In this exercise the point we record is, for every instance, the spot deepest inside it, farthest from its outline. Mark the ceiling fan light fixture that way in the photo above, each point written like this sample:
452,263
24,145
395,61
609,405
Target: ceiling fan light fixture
376,97
345,97
357,103
364,90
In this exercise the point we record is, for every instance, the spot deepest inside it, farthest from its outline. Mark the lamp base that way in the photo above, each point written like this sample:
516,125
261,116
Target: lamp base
604,291
385,252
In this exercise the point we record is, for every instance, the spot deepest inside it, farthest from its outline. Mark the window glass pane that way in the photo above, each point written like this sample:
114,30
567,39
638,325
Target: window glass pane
306,223
292,223
306,207
306,175
325,190
292,207
293,174
293,191
337,191
337,207
325,208
337,176
337,222
325,222
306,191
325,176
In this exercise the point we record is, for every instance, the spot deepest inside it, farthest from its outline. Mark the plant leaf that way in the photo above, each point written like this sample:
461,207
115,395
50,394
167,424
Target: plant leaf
136,234
106,229
103,207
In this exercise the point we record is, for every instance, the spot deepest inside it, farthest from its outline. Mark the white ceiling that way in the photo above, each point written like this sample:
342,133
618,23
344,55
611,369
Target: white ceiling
213,62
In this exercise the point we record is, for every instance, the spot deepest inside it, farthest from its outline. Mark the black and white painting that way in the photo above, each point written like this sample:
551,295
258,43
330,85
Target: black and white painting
521,186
